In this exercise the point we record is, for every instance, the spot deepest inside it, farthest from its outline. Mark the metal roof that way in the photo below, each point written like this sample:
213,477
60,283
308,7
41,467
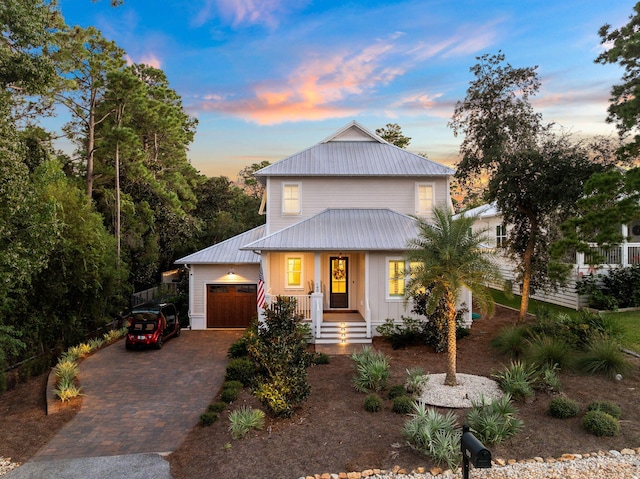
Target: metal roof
344,230
484,211
355,151
228,251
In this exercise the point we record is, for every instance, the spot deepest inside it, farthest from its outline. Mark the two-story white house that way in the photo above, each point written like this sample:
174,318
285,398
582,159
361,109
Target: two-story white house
338,218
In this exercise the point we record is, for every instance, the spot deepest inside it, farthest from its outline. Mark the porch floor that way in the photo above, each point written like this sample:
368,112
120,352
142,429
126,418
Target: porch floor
341,317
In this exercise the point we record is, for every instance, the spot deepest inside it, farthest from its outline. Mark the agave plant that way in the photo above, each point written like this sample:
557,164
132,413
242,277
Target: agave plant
243,420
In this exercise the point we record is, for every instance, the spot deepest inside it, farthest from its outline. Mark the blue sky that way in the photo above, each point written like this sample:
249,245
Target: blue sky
268,78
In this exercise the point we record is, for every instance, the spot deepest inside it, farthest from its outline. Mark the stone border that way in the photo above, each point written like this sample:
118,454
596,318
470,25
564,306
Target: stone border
438,472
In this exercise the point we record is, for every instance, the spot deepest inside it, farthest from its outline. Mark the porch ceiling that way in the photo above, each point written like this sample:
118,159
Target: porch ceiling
345,230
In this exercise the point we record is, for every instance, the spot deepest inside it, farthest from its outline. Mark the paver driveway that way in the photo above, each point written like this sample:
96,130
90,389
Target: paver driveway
143,401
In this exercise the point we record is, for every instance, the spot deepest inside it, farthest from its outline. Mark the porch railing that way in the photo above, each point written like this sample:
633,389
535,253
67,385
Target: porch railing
303,305
626,254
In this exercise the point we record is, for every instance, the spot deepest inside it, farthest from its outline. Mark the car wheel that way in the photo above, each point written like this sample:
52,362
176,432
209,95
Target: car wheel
159,343
128,346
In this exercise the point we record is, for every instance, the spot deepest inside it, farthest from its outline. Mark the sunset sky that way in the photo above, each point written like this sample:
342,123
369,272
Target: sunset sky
268,78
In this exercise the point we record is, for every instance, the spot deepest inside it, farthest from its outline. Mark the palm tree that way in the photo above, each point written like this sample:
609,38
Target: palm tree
447,256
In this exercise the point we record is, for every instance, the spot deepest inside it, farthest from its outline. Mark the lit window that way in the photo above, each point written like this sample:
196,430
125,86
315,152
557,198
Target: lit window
424,199
396,277
291,198
501,236
294,272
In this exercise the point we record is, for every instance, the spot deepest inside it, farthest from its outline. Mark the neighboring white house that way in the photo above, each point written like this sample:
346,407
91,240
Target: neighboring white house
338,219
626,254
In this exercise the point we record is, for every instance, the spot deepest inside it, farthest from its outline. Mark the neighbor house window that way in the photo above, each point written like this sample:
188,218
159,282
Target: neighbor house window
294,272
424,199
501,236
396,277
291,198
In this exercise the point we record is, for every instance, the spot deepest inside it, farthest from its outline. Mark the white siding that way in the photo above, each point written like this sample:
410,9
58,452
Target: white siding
203,274
318,194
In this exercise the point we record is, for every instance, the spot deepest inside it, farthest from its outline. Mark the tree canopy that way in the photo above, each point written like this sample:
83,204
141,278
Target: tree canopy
392,133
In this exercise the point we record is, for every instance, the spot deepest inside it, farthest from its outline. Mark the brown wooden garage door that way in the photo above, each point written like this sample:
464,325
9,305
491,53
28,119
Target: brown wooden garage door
231,305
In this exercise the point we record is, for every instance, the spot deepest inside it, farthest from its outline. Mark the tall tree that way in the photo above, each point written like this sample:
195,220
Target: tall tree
448,257
83,59
392,133
534,176
621,46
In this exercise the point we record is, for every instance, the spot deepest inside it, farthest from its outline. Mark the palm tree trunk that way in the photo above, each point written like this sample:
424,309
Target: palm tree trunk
450,378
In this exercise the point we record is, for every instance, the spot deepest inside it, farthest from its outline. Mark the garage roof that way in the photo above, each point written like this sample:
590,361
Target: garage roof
345,230
228,251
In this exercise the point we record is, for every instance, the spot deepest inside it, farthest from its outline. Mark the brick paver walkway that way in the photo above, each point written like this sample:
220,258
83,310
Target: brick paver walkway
143,401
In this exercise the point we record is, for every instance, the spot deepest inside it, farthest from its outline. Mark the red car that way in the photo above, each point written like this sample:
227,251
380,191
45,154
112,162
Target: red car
150,324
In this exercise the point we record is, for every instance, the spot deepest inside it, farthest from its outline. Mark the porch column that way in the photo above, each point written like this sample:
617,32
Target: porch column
625,247
316,296
367,306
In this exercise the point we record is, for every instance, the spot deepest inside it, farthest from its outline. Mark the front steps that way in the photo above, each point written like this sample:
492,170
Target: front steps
344,332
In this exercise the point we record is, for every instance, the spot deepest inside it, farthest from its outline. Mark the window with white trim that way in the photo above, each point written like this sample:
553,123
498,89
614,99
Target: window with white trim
424,199
396,276
291,198
501,236
293,269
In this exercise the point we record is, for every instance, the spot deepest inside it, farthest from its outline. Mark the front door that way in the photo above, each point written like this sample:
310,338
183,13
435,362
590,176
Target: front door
339,289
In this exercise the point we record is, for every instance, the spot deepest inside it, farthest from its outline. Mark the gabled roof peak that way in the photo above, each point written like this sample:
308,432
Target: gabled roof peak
353,131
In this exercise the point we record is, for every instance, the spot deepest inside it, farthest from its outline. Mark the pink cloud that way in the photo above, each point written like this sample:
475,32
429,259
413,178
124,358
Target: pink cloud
247,12
315,89
146,59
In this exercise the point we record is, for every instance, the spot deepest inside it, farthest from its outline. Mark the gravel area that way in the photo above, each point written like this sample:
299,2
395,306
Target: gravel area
470,389
6,465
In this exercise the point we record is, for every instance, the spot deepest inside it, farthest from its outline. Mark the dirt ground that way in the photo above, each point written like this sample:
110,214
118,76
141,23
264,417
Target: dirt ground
331,432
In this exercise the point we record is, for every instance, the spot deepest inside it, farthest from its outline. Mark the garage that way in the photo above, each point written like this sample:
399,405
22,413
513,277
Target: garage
231,305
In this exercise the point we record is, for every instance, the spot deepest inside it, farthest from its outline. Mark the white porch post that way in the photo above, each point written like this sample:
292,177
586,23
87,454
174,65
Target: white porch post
316,297
625,247
367,307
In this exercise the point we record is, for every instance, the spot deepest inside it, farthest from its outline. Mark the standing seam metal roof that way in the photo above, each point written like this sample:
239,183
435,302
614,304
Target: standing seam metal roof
345,230
228,251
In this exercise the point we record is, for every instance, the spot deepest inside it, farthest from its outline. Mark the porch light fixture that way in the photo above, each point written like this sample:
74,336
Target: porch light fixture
231,272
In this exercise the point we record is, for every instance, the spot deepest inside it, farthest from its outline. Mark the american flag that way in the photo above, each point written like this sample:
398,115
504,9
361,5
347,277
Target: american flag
261,297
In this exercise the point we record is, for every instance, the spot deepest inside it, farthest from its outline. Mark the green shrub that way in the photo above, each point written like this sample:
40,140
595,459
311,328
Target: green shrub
402,405
241,369
65,371
397,391
517,380
280,351
240,347
208,418
372,369
243,420
373,403
66,392
217,407
416,381
229,395
435,435
547,351
609,407
495,421
563,408
603,356
512,341
407,332
320,358
232,385
600,424
548,380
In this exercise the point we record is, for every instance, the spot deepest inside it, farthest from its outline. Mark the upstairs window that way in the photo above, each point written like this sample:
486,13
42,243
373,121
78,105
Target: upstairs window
424,199
501,236
291,198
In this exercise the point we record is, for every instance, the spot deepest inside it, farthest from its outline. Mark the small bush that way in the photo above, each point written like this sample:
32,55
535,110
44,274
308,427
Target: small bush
243,420
563,408
609,407
372,370
373,403
232,385
402,405
66,392
548,380
512,341
241,369
494,422
217,407
416,381
547,351
65,371
517,380
229,395
397,391
603,356
274,395
409,331
600,424
320,358
208,418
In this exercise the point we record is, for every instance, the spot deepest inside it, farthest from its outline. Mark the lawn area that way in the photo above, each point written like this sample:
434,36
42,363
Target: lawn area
629,321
